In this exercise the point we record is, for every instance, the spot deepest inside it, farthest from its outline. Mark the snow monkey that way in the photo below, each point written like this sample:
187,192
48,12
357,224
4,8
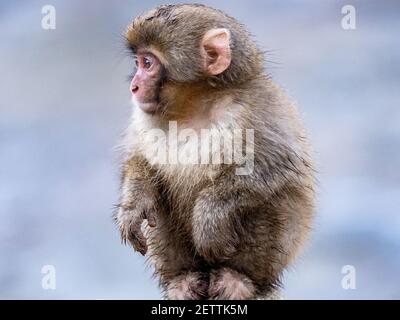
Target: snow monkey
211,229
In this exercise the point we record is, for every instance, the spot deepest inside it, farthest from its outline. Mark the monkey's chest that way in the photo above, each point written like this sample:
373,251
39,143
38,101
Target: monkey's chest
179,167
184,158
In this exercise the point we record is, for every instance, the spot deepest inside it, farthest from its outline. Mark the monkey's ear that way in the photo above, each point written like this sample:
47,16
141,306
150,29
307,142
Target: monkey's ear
215,51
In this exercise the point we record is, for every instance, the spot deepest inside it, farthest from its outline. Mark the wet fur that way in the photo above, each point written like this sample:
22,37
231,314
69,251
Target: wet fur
235,233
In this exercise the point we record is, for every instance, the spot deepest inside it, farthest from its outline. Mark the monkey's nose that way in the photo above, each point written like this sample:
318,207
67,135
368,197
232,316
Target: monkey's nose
134,89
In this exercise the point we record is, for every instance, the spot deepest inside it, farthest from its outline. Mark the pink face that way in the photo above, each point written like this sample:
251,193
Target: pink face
145,85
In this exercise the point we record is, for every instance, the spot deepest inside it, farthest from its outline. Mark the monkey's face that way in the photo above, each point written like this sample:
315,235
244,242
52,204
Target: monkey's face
178,46
146,83
151,68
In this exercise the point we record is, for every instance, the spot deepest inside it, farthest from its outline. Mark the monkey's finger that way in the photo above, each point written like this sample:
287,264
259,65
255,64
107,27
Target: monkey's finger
136,237
138,242
151,219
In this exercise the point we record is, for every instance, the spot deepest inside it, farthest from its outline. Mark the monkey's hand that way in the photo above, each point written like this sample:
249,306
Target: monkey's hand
130,219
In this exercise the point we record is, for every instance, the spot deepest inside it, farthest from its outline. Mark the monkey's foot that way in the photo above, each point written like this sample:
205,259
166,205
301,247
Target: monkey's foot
188,286
227,284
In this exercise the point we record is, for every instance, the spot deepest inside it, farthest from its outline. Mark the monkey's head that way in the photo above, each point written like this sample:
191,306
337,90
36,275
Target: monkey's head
177,45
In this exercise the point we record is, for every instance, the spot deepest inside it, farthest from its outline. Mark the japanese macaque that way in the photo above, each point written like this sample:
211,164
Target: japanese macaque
212,230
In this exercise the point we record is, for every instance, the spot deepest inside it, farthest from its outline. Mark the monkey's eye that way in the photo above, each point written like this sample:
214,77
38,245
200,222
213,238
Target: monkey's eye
147,62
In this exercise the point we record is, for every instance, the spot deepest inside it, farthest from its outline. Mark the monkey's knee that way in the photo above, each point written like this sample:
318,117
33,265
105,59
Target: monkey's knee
188,286
229,284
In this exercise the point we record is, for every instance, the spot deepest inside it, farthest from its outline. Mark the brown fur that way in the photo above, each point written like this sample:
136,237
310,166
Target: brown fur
237,232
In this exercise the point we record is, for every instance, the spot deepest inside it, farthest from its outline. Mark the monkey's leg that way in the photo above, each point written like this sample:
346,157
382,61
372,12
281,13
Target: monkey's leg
188,286
226,283
255,238
182,274
272,238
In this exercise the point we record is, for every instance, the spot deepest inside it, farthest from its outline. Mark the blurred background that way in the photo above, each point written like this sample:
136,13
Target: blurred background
64,102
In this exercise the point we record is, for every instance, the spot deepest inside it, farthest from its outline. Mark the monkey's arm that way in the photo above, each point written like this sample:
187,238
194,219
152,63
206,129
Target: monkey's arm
218,211
138,202
216,220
